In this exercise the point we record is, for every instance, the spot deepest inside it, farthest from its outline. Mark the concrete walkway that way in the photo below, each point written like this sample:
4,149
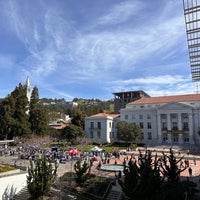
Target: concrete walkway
18,182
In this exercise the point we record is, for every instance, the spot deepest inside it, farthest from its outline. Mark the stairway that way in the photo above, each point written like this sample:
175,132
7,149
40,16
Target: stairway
22,195
114,195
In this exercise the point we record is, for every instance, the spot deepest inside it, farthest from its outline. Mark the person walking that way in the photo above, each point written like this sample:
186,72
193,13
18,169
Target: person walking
190,171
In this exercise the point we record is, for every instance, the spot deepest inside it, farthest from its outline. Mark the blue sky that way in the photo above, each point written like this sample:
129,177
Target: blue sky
93,48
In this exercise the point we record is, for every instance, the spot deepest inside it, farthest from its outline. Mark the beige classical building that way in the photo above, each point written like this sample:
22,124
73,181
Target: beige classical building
164,120
172,120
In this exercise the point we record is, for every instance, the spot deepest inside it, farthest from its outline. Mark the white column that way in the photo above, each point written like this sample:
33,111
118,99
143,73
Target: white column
169,128
180,127
179,121
159,129
191,131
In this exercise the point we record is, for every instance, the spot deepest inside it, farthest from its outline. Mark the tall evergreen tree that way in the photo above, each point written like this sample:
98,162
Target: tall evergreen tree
142,178
38,116
171,167
6,119
82,171
13,115
34,101
21,126
39,119
40,177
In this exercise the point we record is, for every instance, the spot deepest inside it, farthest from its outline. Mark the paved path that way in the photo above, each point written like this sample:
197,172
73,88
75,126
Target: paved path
194,161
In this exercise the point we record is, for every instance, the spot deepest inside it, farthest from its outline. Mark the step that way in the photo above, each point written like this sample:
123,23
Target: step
113,195
22,195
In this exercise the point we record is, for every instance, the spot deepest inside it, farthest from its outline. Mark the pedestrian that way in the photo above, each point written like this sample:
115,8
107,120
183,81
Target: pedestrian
190,171
194,161
119,174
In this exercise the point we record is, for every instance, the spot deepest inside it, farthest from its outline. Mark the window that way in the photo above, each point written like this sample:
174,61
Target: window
174,116
185,116
98,124
126,117
148,116
185,126
91,134
175,139
164,126
113,135
110,124
140,116
99,134
174,126
165,138
142,136
186,139
91,125
149,125
163,116
141,125
149,136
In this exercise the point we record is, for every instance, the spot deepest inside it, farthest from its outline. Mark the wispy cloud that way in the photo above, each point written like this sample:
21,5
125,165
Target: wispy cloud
121,12
116,48
157,85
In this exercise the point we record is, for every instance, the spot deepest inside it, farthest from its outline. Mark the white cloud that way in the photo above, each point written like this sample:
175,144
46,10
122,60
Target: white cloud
57,49
121,12
156,86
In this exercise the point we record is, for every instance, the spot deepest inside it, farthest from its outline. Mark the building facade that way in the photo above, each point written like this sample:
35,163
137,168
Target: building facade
165,120
101,128
123,98
170,120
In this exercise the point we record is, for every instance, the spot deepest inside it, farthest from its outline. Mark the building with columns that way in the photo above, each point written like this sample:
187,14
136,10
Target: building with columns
166,120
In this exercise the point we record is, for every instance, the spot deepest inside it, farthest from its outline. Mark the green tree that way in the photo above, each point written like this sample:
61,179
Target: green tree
128,132
171,167
38,116
173,188
34,101
6,119
14,116
40,177
39,119
71,132
78,119
82,171
142,178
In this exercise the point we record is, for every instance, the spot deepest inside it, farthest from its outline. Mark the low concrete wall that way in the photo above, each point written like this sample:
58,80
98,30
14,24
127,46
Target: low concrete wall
17,181
8,173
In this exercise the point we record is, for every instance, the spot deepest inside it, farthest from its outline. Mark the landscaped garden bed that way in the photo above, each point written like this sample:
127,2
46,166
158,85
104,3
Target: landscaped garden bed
94,188
6,170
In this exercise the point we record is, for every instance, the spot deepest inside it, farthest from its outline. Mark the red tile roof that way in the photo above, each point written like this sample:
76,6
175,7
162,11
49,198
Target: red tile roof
167,99
105,115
